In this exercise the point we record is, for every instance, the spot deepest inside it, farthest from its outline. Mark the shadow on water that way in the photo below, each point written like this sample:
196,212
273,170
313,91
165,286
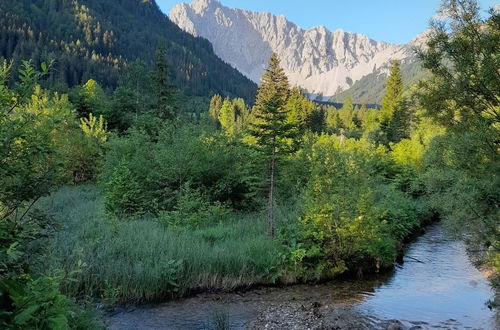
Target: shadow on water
435,287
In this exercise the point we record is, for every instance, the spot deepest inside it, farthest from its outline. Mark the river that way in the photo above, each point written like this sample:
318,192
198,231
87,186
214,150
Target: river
436,287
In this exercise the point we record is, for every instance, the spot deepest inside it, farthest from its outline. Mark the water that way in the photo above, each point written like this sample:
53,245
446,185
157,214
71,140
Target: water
437,283
435,287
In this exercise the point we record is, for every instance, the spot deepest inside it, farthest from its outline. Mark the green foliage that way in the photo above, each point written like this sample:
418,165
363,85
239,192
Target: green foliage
165,93
462,56
462,188
37,303
91,41
90,98
193,210
270,128
133,97
344,200
302,113
143,260
340,229
273,134
40,305
393,94
233,116
34,126
218,169
28,142
463,95
215,106
410,152
357,209
82,150
395,116
123,192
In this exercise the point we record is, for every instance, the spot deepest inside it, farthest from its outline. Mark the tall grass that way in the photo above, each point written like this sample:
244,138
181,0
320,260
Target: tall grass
142,260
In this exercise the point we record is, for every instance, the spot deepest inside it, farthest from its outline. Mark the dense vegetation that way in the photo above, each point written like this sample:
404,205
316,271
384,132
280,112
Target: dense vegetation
120,196
95,39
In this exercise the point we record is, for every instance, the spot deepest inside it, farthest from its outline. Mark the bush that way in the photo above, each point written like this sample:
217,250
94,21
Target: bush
340,228
123,193
222,172
193,210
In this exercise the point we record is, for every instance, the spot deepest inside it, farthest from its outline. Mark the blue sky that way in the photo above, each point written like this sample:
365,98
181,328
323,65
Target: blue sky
396,21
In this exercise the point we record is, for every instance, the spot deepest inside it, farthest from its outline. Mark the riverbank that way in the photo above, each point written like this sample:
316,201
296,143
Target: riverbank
142,260
402,299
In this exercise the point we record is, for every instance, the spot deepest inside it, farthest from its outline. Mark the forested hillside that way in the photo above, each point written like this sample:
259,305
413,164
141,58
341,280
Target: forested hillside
96,39
123,197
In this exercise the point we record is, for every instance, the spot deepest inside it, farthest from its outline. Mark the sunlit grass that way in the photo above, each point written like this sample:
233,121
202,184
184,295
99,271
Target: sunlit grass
142,260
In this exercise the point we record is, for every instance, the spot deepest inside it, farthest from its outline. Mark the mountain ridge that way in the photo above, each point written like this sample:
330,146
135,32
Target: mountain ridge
322,62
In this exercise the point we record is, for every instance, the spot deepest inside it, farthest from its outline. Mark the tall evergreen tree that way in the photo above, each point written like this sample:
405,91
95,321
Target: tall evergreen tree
346,114
394,114
165,91
393,92
301,110
274,134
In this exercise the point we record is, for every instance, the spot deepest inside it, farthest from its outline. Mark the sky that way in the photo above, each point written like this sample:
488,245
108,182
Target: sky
395,21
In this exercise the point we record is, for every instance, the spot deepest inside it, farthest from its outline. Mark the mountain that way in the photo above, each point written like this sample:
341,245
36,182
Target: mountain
97,38
323,62
371,88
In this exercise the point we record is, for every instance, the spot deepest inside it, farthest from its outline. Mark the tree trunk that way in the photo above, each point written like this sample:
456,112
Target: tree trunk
270,215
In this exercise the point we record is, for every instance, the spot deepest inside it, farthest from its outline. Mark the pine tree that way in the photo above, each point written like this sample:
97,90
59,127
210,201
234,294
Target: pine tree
393,93
332,120
346,114
273,133
394,114
165,91
301,110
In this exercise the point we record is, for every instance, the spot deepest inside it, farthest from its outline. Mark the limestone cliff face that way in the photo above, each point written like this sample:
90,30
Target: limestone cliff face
321,61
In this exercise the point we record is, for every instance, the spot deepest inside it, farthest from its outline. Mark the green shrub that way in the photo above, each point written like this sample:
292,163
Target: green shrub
37,303
221,171
123,192
193,210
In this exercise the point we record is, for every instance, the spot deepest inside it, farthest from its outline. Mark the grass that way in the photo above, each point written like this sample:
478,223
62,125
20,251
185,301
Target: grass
220,320
142,260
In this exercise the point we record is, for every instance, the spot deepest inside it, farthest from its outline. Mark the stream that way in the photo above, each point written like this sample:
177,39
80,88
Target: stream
436,287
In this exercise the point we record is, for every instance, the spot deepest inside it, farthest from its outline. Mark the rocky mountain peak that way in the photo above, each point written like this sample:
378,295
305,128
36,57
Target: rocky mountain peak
319,60
199,6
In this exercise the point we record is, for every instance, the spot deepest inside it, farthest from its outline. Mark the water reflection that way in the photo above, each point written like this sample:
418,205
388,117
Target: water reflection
435,287
437,283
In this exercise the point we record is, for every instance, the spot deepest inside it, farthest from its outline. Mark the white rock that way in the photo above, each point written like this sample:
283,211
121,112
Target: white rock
318,60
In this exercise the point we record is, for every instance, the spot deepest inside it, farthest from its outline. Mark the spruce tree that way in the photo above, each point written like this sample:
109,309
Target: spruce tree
346,114
301,110
393,93
274,134
165,92
394,114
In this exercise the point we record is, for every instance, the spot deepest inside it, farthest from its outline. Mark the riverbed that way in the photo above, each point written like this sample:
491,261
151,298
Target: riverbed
436,287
